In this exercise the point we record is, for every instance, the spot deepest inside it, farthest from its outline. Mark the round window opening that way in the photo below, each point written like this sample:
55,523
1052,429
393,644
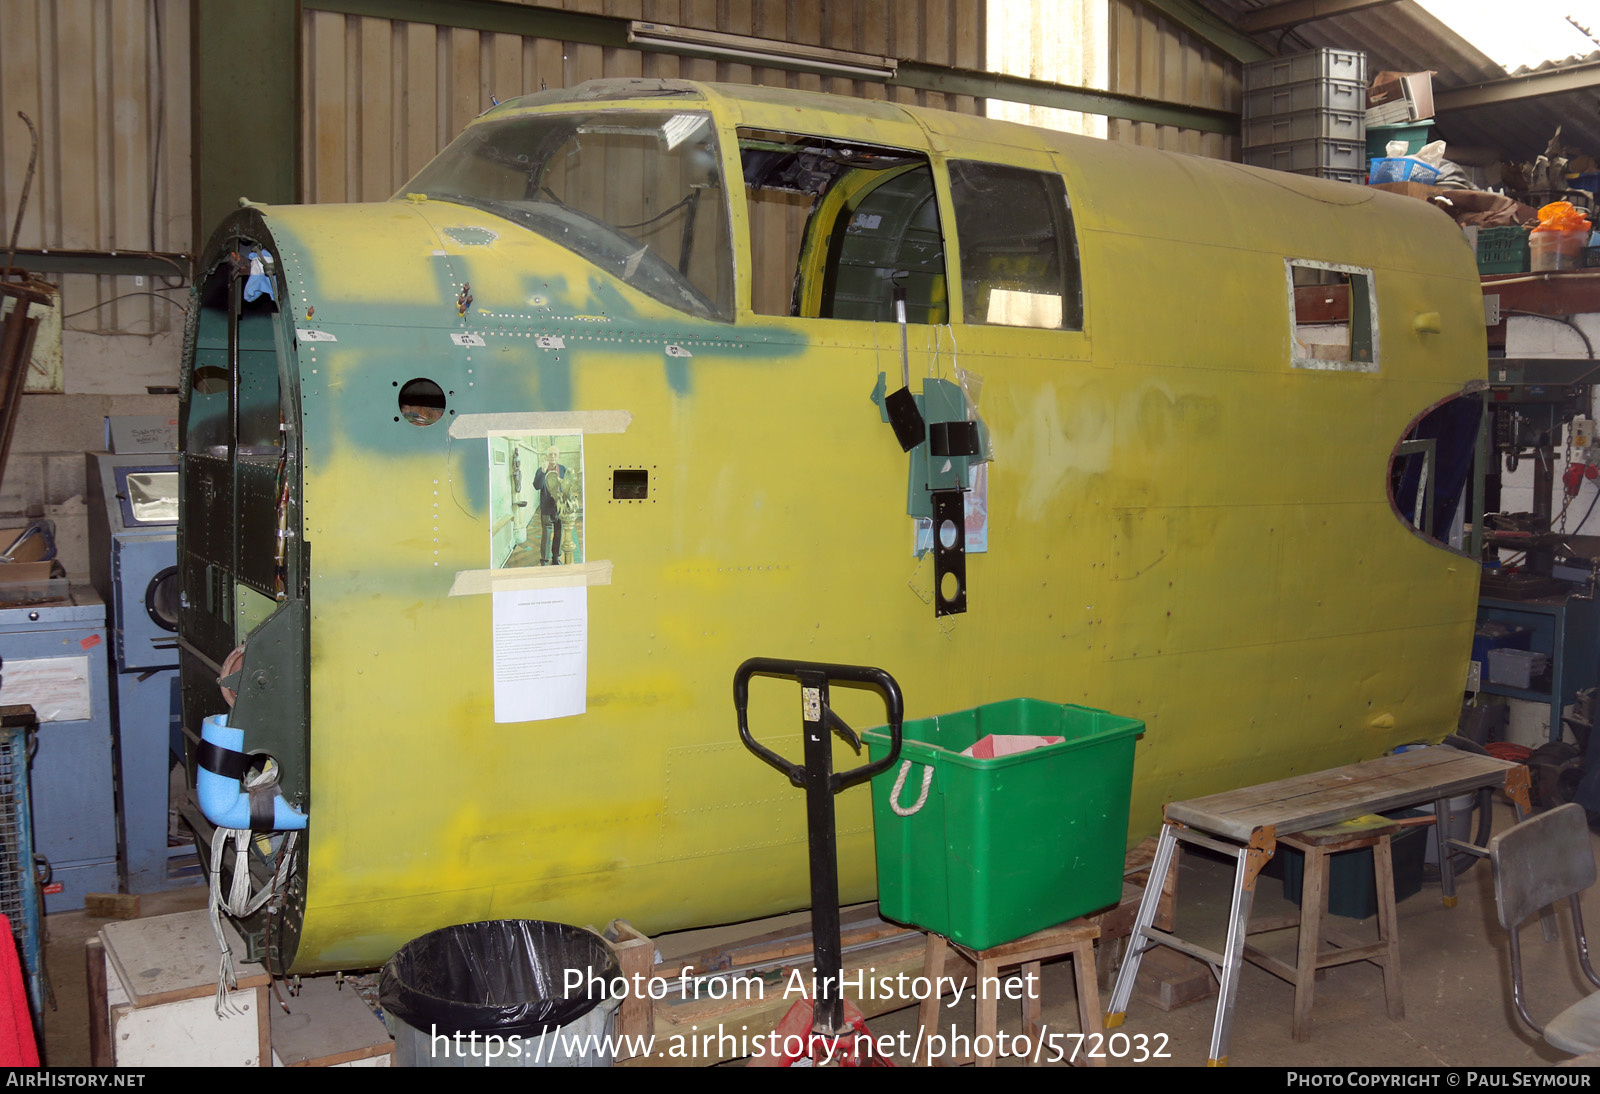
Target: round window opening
161,599
421,402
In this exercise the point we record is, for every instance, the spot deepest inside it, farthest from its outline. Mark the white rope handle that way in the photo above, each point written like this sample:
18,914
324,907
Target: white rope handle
899,785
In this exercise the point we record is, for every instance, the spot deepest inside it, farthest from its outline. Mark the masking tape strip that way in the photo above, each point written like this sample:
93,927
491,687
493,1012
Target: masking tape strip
473,582
572,421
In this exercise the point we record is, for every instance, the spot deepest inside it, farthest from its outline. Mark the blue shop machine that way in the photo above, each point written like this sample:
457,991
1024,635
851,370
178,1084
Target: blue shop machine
133,548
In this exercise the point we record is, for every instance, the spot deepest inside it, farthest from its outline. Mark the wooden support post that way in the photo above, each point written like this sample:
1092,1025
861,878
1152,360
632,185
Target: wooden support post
94,967
636,954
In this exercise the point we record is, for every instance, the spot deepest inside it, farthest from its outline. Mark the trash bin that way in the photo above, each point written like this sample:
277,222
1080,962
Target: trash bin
499,994
1000,848
1352,885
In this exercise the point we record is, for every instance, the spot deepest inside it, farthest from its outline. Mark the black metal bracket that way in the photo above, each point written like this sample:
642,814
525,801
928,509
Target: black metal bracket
949,521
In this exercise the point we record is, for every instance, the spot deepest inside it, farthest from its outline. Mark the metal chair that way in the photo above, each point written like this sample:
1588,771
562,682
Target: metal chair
1536,863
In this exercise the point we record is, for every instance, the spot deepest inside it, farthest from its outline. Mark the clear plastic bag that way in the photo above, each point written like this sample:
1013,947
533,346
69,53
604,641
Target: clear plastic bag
1561,216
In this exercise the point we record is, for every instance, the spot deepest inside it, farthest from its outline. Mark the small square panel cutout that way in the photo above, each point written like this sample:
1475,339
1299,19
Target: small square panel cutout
630,484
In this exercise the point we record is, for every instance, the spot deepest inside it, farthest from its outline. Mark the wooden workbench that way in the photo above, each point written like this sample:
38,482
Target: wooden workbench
1246,823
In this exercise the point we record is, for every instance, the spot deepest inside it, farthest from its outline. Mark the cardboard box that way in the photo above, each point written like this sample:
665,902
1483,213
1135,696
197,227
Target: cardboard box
25,559
142,433
28,576
1415,89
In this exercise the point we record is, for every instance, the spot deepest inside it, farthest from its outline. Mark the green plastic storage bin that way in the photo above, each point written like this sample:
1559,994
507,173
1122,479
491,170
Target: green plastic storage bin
1415,134
1008,846
1502,250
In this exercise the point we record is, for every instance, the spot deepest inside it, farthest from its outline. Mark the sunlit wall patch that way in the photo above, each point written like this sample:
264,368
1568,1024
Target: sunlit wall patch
1333,316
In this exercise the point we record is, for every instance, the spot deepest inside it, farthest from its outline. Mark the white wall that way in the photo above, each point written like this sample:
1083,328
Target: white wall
1528,336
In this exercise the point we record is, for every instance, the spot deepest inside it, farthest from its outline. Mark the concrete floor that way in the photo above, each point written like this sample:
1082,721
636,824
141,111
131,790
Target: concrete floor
66,1027
1455,973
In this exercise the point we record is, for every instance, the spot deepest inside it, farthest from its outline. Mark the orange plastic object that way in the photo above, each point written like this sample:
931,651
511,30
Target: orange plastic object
1561,216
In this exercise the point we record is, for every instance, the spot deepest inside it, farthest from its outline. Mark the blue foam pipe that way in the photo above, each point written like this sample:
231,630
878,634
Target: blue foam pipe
224,801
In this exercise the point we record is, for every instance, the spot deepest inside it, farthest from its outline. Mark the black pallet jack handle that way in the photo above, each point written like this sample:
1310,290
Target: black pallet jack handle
817,777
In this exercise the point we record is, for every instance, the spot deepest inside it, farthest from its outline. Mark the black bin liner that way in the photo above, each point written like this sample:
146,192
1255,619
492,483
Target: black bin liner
503,976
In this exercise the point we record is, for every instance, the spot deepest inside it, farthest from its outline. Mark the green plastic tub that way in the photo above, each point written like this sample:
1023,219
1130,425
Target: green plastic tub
1004,847
1503,250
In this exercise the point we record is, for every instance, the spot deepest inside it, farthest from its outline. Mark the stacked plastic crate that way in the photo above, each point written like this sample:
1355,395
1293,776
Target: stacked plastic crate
1307,114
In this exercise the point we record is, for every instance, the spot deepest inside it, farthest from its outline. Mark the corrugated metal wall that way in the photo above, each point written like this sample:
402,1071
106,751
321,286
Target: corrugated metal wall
1154,58
382,96
106,82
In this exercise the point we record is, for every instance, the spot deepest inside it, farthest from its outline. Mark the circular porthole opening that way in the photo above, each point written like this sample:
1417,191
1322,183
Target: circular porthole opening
263,770
161,599
421,402
210,380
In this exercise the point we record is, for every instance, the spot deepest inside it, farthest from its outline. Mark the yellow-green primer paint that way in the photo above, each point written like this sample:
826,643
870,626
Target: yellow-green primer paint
1183,528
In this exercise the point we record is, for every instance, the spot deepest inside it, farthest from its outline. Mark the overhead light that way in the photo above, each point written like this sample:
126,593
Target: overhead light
760,51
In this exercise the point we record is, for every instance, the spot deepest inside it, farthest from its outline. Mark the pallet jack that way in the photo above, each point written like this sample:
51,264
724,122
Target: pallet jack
827,1030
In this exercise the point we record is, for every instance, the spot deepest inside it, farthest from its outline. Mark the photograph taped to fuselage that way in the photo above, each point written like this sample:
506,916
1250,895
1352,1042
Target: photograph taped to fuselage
536,500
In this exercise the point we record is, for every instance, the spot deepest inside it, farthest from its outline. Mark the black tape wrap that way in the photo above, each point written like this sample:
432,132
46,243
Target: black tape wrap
261,807
222,761
236,765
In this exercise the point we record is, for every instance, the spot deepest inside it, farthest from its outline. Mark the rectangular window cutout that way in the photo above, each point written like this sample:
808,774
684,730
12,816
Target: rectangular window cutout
630,484
1332,316
837,226
1019,253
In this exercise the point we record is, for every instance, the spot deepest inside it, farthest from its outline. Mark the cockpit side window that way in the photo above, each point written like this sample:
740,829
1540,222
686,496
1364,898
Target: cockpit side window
836,227
1019,254
638,194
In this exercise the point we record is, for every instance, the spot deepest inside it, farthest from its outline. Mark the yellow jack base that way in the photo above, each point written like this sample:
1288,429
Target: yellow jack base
1112,1021
1450,901
1220,1061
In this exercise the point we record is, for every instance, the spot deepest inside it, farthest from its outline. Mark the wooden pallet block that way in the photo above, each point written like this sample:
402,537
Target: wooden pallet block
1116,923
329,1025
636,955
690,1026
1169,980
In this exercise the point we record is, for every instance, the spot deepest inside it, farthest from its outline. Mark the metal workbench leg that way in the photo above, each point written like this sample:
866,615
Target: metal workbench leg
1138,941
1516,788
1447,870
1244,891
